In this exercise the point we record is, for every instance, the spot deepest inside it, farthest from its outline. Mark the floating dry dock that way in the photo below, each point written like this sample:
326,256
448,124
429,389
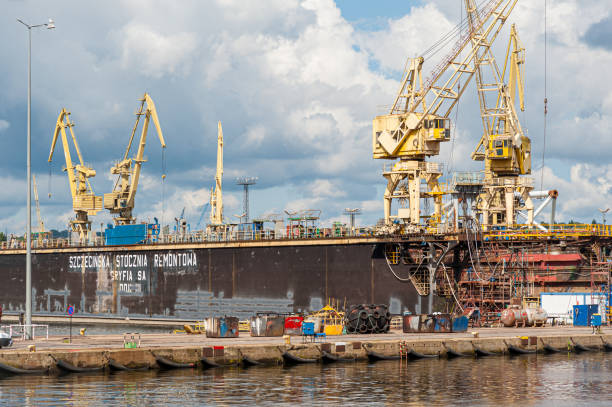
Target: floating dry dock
107,352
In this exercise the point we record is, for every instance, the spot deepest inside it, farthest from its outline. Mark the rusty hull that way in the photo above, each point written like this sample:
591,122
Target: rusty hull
195,281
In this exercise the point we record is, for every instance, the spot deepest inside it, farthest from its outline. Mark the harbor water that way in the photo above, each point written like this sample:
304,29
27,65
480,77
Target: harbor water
547,380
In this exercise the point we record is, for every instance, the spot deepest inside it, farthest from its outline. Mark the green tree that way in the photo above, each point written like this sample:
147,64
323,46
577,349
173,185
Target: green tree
2,237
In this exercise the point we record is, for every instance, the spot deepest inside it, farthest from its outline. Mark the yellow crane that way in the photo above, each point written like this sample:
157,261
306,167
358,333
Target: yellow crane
419,118
41,224
121,201
216,194
84,201
504,147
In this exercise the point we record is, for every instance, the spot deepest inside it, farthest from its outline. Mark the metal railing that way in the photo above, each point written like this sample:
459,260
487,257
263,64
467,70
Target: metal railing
297,233
468,178
20,330
430,167
557,230
294,233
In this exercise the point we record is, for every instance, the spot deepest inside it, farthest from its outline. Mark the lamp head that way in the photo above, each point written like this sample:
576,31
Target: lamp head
51,24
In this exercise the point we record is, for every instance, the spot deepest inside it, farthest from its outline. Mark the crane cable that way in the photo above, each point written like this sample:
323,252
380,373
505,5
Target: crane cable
545,94
453,136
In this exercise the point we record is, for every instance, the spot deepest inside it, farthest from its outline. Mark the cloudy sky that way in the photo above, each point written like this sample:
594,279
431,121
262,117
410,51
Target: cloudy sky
295,83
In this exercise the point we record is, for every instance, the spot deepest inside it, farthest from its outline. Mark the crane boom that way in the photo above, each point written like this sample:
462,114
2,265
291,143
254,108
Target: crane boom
121,201
84,202
419,118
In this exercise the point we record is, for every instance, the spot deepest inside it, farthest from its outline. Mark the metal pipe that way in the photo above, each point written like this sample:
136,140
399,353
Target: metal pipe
542,228
553,209
541,207
539,194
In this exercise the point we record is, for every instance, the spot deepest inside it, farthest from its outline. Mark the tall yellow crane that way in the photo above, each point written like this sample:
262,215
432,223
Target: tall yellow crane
504,147
419,118
216,193
41,224
84,201
121,201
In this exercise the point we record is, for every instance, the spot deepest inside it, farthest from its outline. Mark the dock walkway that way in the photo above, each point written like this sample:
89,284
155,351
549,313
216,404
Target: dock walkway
99,350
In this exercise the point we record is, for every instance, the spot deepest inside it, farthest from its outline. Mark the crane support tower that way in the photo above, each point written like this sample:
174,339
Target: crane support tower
504,147
121,201
419,118
216,193
84,202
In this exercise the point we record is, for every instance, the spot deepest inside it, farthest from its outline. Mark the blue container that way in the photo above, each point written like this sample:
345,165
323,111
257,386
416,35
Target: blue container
460,324
583,313
131,234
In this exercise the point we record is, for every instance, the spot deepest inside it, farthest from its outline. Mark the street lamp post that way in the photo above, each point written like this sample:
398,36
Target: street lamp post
28,317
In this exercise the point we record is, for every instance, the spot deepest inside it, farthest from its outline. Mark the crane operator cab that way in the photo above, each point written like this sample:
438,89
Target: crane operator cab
500,147
437,129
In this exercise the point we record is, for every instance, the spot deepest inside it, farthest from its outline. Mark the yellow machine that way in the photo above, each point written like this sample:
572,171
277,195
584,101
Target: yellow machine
41,225
503,146
120,202
419,118
216,193
84,202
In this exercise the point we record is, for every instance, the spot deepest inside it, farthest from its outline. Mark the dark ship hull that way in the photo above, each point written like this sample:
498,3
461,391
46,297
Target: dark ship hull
192,281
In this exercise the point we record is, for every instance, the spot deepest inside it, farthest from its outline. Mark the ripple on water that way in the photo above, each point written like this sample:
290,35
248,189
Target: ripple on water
535,380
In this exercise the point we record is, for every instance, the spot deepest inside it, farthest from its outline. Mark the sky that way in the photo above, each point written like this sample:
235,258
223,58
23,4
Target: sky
296,84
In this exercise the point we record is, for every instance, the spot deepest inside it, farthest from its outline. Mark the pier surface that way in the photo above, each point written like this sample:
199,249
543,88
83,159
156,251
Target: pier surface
97,350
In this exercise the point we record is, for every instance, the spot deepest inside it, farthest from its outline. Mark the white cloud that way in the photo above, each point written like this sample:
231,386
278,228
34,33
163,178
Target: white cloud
406,36
4,125
154,54
298,86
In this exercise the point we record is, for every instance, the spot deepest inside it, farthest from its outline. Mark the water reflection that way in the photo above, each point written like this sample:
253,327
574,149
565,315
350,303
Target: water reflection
525,380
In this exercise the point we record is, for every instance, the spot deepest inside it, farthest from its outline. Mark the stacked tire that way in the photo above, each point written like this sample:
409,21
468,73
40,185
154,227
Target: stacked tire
367,319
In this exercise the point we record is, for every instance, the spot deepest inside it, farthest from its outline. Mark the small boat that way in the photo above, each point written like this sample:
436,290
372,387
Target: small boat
481,352
290,359
70,368
513,350
118,367
247,361
15,370
414,355
551,349
164,363
374,356
451,354
330,358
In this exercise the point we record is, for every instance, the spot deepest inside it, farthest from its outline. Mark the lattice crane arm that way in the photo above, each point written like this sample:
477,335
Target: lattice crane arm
77,185
400,133
514,64
150,114
503,146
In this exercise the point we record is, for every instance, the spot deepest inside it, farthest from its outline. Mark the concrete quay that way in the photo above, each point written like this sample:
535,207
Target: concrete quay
98,350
